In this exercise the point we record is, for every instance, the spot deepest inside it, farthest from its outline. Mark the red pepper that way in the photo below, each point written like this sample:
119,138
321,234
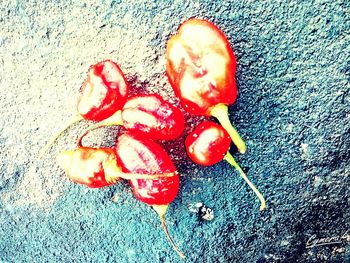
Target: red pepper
150,115
201,69
97,167
104,91
102,94
208,144
144,156
87,166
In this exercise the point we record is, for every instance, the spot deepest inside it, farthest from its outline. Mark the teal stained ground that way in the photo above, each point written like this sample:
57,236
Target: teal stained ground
293,111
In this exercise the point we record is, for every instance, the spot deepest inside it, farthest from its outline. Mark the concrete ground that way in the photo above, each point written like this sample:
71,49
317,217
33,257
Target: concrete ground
293,111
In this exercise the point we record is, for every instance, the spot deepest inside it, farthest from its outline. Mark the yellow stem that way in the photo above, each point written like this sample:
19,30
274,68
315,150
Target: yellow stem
220,112
115,119
161,210
229,158
130,176
113,173
72,120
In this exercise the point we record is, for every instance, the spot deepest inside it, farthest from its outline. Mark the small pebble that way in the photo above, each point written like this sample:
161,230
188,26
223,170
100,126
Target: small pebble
202,210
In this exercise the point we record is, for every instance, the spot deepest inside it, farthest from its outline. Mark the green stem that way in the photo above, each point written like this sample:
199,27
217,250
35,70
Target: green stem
115,119
72,120
220,112
130,176
161,210
229,158
113,172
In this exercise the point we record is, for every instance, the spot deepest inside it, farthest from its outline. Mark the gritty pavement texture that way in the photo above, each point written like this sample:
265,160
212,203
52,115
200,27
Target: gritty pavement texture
293,111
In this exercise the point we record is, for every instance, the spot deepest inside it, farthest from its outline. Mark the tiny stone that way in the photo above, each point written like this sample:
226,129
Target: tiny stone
304,147
284,243
317,181
115,199
208,214
198,205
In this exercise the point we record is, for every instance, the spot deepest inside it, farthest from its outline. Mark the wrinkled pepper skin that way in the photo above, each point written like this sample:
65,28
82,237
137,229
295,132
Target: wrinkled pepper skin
104,91
153,116
208,143
87,165
143,156
201,67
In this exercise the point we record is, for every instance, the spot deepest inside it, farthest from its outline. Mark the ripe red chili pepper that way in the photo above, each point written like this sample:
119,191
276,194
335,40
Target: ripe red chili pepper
97,167
208,144
104,91
144,156
201,69
102,94
88,166
148,114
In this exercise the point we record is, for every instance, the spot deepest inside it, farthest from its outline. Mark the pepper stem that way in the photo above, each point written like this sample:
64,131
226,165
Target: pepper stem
229,158
115,119
130,176
161,210
72,120
113,173
220,111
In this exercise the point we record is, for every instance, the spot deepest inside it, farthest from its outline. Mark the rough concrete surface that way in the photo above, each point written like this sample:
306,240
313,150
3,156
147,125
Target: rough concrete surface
293,111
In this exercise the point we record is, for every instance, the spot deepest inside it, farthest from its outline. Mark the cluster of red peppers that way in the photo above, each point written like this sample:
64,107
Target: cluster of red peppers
201,69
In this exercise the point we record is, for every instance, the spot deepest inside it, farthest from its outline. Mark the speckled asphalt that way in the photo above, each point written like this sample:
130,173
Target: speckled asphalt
293,111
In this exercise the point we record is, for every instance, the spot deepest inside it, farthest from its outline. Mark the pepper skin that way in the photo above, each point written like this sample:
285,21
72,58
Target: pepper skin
152,115
87,166
96,168
104,91
143,156
201,68
209,144
149,115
